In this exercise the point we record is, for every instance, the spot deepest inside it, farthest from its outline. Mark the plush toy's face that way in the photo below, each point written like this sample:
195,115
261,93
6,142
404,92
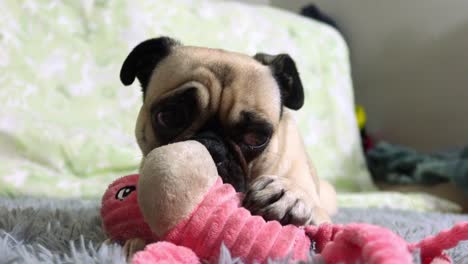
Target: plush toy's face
230,102
121,215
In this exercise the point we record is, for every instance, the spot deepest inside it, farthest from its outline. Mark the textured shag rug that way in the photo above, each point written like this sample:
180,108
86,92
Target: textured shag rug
42,230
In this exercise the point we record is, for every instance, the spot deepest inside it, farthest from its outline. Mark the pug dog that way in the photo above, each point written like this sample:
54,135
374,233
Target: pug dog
239,107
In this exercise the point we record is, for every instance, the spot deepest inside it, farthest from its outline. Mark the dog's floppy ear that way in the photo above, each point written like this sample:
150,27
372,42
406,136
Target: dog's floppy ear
286,74
142,60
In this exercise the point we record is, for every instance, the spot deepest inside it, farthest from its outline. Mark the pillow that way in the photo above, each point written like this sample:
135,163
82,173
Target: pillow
66,125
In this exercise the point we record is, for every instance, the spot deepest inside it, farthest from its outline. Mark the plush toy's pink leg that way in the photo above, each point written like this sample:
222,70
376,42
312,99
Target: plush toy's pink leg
165,253
432,247
359,243
373,244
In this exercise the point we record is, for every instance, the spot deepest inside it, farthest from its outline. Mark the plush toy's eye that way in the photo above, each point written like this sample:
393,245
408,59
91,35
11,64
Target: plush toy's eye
124,192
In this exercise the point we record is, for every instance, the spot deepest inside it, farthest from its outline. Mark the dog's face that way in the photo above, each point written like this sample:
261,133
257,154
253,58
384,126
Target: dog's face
230,102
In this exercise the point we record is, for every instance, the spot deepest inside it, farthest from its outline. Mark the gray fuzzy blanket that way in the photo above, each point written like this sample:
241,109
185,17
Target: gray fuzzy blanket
45,230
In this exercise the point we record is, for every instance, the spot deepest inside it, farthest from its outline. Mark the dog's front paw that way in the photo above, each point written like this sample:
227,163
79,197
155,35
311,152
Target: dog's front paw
275,198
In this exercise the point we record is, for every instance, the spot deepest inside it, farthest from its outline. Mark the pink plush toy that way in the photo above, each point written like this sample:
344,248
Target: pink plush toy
185,209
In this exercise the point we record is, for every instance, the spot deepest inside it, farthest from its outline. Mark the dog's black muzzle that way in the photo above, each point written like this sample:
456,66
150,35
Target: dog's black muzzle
223,155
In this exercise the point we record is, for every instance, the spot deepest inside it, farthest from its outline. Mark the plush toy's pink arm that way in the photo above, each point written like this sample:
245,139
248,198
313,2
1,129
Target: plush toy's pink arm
220,219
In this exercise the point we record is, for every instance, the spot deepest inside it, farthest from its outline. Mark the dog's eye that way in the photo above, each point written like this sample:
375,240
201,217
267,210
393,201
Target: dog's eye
173,114
124,192
255,140
172,117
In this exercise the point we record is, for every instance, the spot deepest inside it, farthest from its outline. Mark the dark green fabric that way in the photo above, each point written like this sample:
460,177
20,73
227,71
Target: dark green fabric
401,165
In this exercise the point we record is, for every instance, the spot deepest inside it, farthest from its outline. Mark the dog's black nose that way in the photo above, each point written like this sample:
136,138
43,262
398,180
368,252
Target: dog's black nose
226,164
214,143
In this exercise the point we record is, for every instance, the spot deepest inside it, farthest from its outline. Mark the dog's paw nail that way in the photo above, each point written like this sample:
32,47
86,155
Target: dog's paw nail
132,246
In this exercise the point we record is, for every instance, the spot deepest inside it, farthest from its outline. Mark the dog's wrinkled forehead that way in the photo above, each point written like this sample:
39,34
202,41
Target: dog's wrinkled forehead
223,78
186,63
